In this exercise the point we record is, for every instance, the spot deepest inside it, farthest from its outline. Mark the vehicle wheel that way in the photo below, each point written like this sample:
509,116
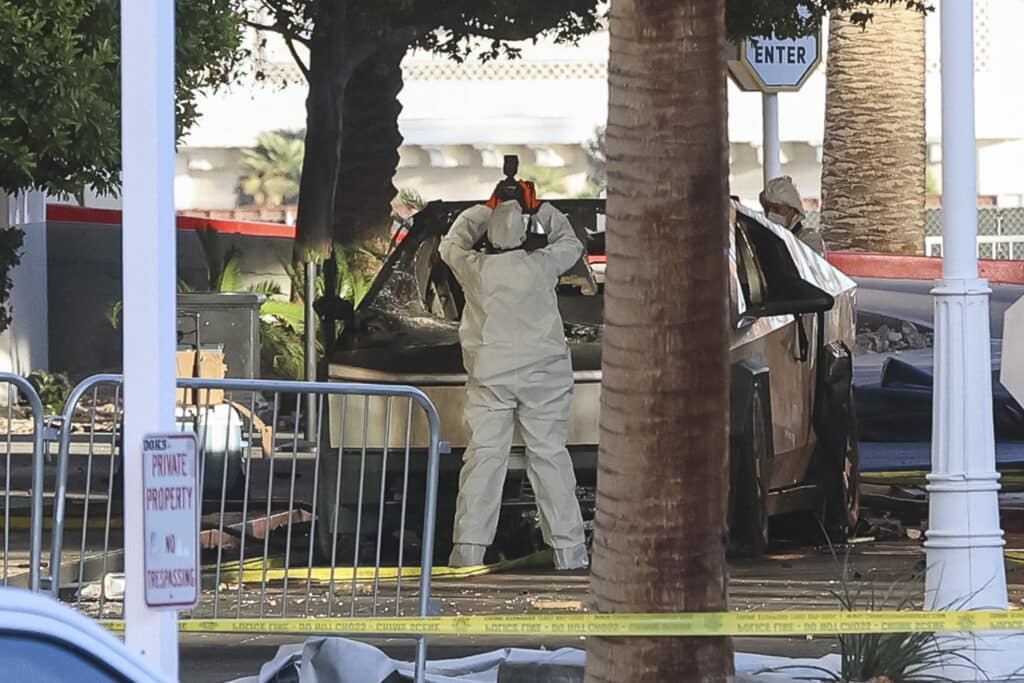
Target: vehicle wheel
336,521
233,484
751,456
842,499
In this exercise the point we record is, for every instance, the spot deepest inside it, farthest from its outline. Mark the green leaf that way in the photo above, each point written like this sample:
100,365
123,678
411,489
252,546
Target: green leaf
266,287
290,313
231,276
60,86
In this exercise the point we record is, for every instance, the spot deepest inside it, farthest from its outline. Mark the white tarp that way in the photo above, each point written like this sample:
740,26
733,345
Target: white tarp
339,660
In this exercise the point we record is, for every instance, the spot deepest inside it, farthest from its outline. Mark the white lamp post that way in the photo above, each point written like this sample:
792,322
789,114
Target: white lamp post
964,541
148,269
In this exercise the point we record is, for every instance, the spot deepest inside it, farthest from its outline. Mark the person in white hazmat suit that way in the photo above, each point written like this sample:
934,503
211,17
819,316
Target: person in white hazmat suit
520,373
782,205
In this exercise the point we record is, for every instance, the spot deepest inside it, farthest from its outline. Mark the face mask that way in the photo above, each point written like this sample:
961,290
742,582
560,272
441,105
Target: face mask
778,218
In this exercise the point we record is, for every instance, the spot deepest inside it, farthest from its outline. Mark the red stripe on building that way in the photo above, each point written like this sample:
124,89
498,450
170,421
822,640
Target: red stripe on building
891,266
76,214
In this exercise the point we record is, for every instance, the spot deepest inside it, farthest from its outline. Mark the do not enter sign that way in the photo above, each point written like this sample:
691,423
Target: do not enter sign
171,505
769,64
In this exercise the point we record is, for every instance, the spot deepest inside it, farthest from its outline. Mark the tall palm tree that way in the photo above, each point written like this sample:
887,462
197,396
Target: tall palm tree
660,521
873,164
273,169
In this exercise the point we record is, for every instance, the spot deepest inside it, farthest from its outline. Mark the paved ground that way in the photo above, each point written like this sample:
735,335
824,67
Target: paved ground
787,579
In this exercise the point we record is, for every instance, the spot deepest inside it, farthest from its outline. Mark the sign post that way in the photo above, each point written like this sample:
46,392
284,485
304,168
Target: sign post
771,145
172,495
771,65
149,276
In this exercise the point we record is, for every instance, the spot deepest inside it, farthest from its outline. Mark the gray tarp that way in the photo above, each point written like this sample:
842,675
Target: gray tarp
339,660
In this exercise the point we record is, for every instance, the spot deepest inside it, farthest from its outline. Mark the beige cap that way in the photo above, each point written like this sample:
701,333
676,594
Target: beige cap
782,191
505,227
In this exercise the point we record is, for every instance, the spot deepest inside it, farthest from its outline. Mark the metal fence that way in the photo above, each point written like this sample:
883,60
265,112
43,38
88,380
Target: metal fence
22,435
336,521
1000,232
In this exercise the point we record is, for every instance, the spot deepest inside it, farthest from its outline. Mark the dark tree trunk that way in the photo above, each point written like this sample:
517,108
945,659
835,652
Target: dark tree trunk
369,149
660,524
333,58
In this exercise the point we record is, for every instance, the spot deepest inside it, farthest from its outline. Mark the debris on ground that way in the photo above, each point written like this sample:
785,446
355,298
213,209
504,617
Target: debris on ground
901,336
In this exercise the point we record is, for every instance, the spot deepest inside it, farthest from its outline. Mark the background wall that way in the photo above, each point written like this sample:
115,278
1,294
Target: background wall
84,279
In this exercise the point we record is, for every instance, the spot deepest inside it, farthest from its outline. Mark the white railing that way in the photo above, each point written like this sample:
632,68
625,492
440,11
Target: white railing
989,246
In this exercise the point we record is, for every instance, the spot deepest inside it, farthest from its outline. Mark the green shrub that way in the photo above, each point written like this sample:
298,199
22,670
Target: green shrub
53,390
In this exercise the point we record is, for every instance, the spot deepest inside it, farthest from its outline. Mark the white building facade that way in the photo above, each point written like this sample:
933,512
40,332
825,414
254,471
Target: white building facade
459,119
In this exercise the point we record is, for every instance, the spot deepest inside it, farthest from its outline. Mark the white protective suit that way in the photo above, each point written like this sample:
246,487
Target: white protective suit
517,359
783,192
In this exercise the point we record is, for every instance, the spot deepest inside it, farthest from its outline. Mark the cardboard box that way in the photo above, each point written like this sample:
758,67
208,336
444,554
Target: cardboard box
211,366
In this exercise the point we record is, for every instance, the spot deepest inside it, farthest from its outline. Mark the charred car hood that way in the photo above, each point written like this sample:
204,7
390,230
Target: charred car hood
400,350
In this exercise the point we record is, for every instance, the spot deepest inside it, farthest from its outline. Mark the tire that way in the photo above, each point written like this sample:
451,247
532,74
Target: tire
214,479
751,455
841,510
335,510
836,466
336,524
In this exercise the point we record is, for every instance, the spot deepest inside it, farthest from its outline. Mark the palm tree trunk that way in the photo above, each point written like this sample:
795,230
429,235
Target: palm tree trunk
334,55
660,522
873,162
369,149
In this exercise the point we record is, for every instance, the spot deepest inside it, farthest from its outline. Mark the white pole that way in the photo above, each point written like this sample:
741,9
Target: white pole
770,145
149,272
965,567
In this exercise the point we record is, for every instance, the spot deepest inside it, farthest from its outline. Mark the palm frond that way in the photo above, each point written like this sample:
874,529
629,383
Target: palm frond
231,274
266,288
289,313
113,313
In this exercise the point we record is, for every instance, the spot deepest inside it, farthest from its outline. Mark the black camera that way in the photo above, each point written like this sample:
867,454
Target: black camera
508,187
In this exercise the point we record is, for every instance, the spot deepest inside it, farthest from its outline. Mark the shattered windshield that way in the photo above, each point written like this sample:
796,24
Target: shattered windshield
415,289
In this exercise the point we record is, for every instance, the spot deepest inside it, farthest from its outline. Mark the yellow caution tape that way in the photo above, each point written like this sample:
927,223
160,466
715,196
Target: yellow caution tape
647,625
258,571
1009,479
24,523
252,571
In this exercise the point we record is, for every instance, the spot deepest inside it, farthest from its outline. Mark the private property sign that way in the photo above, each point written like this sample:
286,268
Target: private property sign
171,504
769,64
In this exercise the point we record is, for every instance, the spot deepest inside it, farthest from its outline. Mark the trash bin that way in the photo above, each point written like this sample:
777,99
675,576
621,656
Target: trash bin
228,321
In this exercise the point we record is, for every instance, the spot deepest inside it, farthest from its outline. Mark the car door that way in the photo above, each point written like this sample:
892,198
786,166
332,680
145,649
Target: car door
784,344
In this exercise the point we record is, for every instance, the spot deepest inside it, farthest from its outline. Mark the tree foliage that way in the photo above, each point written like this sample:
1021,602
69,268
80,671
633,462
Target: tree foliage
355,50
272,170
60,86
747,18
597,160
454,28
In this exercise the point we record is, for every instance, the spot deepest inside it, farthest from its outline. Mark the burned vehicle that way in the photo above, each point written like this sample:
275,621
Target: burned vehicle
793,447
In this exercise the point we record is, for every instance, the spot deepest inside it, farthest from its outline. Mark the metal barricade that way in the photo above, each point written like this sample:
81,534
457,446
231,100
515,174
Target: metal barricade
290,527
22,436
